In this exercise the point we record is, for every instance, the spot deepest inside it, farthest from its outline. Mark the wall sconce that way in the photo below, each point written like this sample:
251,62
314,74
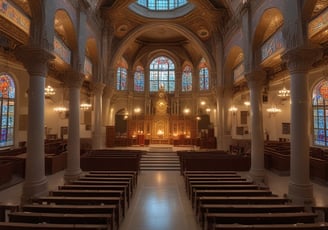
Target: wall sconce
273,110
247,103
233,109
49,91
186,111
60,109
284,92
208,110
137,110
85,106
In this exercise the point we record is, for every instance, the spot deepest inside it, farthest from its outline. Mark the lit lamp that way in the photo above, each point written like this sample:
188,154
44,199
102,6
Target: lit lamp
49,91
233,109
60,109
85,106
273,110
284,92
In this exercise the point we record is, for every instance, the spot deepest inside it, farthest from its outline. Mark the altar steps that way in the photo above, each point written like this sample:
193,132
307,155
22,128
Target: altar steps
157,161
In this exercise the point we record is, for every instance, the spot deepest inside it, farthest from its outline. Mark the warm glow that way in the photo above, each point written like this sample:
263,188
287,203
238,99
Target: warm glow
186,111
247,103
48,91
60,109
273,110
137,110
208,110
233,109
283,92
203,103
85,106
160,132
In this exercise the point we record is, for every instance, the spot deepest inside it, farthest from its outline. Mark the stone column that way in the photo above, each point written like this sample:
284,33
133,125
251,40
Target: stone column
255,82
299,61
97,141
219,124
35,61
74,82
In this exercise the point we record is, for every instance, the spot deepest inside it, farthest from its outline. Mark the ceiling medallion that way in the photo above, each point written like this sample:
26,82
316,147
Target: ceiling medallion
203,33
122,28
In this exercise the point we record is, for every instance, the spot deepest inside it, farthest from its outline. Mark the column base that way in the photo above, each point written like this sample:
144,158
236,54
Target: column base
301,194
97,142
258,176
71,175
34,189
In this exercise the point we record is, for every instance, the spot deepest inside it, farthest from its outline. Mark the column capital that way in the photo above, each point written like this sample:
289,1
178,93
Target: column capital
98,87
73,79
301,59
34,59
255,78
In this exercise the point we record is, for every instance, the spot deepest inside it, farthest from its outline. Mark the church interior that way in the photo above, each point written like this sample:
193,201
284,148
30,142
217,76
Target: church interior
155,114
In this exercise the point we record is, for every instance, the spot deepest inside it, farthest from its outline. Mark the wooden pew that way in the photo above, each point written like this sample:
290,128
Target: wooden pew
92,194
114,182
198,193
116,175
119,172
75,209
230,200
258,218
44,226
81,201
60,218
123,188
215,182
246,208
301,226
6,208
193,187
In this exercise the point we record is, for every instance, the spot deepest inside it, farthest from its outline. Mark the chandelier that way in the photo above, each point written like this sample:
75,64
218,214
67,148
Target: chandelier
85,106
284,92
273,110
60,109
49,91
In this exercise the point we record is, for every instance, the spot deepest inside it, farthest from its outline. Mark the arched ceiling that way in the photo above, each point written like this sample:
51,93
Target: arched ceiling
203,21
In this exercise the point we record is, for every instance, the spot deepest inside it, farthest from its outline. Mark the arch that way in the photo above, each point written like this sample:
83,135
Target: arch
186,81
235,56
162,74
204,76
270,22
132,36
139,79
319,113
7,105
121,74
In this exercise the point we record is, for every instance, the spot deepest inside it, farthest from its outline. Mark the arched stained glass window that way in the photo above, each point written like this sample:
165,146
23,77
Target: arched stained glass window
162,74
7,100
204,83
139,79
320,113
122,75
187,79
162,4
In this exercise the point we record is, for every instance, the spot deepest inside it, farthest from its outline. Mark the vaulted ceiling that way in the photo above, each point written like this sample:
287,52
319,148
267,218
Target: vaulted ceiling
187,32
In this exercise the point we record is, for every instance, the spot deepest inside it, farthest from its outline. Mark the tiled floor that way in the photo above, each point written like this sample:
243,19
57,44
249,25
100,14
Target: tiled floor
160,201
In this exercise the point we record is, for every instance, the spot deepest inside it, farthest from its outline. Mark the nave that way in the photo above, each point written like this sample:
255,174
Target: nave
160,201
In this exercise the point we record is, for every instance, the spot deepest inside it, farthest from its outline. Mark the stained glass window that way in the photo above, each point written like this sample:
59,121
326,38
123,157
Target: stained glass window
187,79
161,5
320,113
139,79
162,74
7,106
204,83
122,75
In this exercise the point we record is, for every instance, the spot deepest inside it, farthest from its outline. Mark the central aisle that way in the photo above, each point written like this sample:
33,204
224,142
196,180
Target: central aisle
160,203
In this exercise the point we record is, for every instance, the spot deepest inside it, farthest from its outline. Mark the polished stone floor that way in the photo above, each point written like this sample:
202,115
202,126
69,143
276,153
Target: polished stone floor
160,201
